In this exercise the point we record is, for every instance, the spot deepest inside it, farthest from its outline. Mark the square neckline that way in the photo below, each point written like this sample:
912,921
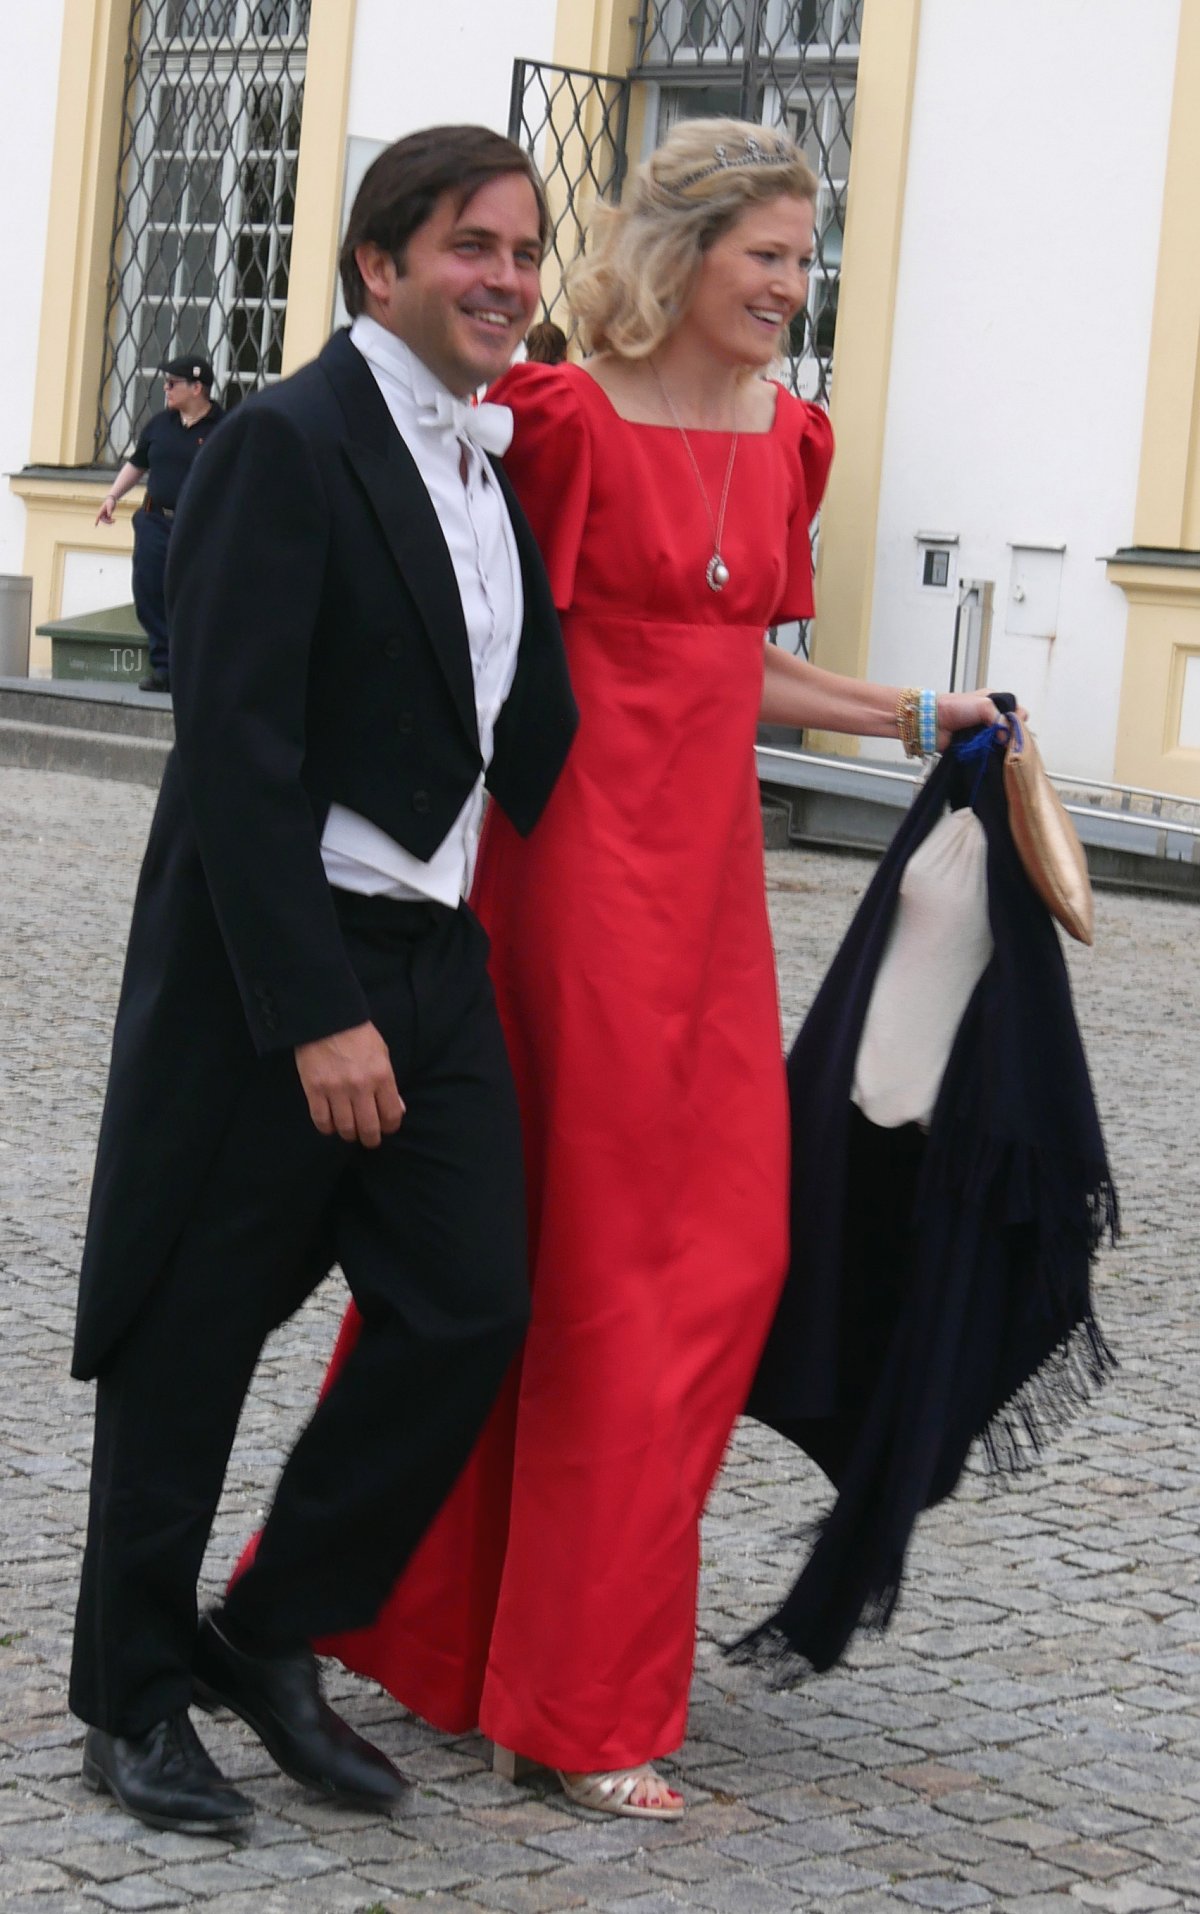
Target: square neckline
692,431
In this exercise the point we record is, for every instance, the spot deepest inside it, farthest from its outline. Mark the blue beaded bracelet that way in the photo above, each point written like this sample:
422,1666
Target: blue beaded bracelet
928,723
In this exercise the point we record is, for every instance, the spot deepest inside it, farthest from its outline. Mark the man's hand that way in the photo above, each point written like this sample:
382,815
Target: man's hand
350,1086
107,512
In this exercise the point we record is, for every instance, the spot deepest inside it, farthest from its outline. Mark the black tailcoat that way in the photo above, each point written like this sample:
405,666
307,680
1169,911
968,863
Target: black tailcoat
336,666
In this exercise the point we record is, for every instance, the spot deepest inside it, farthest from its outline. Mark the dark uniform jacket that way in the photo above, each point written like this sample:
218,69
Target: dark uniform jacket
319,653
166,451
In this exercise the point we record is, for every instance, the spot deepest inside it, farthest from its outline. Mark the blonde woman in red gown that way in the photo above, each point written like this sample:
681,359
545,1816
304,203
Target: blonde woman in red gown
671,487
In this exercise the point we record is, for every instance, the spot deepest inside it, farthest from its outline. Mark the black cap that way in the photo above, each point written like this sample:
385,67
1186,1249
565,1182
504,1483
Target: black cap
197,370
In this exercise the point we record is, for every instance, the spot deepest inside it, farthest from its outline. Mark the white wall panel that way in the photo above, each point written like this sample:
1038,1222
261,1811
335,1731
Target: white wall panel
1019,364
416,65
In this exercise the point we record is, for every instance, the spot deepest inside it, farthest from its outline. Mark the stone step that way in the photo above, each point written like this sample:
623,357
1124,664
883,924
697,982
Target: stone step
119,709
93,754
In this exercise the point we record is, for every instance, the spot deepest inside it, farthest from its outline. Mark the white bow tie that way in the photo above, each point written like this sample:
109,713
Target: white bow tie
490,427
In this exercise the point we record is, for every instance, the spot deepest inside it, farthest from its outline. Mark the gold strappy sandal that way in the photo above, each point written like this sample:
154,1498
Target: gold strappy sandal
613,1793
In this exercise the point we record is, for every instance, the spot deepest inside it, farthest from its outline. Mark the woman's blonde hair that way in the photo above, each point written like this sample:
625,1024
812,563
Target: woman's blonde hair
630,290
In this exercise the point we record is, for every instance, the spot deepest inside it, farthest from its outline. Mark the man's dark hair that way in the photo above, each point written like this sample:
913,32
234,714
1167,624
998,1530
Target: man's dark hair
401,188
546,343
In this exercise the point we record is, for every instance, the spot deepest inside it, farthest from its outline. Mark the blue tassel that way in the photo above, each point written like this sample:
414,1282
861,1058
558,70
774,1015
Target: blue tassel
979,746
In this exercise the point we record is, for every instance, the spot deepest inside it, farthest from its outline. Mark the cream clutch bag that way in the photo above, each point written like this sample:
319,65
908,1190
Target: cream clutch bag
1046,840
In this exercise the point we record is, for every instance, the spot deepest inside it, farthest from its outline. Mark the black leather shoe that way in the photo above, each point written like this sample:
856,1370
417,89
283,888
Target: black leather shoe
166,1778
155,681
279,1696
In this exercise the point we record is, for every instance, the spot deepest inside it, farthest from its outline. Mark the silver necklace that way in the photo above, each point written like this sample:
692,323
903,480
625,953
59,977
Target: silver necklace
716,572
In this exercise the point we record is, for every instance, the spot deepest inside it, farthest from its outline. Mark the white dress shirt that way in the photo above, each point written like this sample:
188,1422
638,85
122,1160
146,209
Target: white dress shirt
357,855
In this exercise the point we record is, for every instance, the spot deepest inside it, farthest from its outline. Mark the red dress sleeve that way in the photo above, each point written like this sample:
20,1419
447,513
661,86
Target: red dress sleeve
813,452
549,463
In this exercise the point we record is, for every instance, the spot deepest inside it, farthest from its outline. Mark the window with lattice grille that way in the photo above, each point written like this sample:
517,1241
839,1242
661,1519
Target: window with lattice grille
205,198
791,63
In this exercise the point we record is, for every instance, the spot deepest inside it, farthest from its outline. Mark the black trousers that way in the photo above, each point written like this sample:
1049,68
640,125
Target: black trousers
430,1232
151,538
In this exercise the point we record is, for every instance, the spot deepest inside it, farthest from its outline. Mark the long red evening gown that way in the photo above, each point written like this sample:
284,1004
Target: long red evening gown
553,1601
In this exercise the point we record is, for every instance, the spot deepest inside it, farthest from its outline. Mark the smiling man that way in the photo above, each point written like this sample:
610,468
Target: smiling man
307,1064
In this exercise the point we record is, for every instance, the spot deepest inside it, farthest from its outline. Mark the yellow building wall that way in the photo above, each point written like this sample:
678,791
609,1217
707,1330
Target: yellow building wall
1160,574
316,232
1162,637
597,36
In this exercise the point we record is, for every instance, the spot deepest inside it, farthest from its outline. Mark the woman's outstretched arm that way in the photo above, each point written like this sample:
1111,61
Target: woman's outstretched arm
800,694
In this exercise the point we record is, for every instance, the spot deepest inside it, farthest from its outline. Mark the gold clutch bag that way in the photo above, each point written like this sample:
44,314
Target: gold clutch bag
1046,840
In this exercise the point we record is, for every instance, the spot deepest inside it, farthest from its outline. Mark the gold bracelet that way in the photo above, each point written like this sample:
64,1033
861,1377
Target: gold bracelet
908,721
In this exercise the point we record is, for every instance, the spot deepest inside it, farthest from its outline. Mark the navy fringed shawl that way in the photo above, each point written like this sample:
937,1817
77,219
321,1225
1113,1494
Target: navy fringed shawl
988,1330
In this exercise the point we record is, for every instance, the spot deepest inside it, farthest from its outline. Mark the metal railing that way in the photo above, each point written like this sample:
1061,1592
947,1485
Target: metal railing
1158,818
1169,828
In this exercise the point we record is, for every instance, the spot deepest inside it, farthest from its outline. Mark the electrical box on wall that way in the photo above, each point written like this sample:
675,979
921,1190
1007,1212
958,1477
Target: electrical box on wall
1034,589
937,561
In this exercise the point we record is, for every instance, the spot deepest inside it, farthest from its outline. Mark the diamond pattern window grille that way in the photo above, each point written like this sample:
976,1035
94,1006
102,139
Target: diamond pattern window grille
573,125
789,63
205,199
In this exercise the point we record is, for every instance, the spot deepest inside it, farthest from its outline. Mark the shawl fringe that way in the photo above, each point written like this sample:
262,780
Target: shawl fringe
774,1656
1013,1441
775,1659
1024,1426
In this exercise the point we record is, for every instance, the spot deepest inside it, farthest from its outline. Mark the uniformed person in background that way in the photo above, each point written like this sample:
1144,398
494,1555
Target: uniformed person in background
163,457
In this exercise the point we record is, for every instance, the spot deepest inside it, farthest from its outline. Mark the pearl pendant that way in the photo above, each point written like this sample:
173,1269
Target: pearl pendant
716,573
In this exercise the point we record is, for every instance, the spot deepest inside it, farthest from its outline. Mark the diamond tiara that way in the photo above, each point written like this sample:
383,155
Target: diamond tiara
751,153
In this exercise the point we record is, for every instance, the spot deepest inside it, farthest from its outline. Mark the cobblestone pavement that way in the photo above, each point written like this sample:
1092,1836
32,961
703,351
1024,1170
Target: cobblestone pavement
1027,1736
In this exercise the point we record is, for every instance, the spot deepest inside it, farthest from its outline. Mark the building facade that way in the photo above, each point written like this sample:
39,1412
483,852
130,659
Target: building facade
1005,315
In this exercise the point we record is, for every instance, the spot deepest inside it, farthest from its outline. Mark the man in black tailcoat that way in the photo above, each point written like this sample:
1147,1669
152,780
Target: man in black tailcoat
307,1065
